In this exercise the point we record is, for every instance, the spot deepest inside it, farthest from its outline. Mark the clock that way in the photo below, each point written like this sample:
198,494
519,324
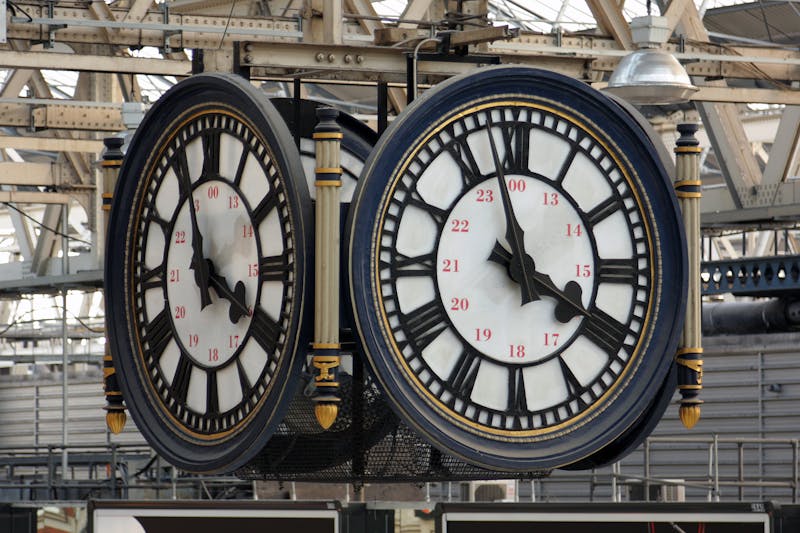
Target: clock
206,273
517,268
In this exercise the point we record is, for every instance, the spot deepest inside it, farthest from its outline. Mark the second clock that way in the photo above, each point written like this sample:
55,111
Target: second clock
509,243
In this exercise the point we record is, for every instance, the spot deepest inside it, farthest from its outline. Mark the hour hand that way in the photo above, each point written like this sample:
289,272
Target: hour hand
519,269
238,307
569,300
200,267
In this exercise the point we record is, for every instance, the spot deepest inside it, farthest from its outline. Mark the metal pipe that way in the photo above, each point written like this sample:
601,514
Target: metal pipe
412,93
716,468
721,318
65,360
795,469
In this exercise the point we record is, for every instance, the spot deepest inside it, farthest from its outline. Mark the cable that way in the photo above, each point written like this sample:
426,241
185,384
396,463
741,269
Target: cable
56,232
14,8
227,24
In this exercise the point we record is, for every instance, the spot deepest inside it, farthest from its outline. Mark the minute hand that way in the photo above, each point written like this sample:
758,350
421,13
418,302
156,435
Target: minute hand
522,265
198,262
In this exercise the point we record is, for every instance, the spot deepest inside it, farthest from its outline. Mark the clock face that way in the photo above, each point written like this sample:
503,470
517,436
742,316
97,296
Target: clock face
514,262
213,270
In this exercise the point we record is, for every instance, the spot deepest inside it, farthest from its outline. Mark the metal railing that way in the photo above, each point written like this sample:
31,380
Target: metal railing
110,471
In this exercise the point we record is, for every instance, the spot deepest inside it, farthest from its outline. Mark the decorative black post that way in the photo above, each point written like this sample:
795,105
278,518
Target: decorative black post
115,406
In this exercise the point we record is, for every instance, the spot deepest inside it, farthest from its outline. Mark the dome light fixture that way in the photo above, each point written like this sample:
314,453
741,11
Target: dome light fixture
650,75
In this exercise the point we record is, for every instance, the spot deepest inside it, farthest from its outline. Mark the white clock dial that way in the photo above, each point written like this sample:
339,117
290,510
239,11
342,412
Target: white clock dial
481,301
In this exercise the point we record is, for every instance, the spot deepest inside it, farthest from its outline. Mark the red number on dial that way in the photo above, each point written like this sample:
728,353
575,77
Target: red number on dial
483,334
516,350
450,265
459,304
574,230
551,339
459,225
485,195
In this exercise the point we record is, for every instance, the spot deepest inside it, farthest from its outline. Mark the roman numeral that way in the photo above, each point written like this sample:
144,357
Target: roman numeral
274,268
517,399
267,204
212,394
425,323
516,140
438,215
603,210
461,153
245,384
179,388
562,173
153,278
623,271
237,177
152,216
210,140
404,266
157,334
462,378
574,386
181,166
265,331
605,331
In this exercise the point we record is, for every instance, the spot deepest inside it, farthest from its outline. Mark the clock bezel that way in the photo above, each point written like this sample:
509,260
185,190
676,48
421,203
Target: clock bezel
579,438
232,447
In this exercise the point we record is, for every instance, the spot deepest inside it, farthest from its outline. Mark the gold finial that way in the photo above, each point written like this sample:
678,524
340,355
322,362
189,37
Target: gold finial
115,420
689,414
326,413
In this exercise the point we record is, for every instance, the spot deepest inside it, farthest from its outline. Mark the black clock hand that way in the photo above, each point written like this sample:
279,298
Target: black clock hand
238,307
521,264
569,300
198,263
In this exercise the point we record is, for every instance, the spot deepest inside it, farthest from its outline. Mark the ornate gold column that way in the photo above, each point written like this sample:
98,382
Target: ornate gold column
690,352
327,357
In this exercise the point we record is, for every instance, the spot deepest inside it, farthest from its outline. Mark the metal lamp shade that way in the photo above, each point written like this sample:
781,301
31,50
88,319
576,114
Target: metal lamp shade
651,77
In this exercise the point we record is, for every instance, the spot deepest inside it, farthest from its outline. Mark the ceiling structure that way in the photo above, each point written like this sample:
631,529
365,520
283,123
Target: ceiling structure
75,72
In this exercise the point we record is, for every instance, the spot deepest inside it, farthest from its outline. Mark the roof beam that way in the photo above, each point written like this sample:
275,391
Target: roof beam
784,150
725,130
35,174
415,10
49,144
611,20
46,114
194,31
93,63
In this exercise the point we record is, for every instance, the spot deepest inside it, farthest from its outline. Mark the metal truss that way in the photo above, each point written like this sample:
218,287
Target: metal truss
758,276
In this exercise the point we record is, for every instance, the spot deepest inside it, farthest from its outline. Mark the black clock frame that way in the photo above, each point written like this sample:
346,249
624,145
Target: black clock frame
633,400
184,447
